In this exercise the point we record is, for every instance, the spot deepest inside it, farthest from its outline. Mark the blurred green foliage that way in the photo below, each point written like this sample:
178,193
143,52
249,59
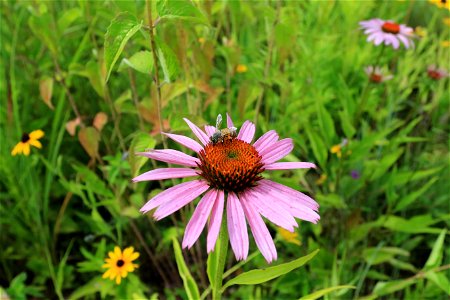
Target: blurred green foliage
83,72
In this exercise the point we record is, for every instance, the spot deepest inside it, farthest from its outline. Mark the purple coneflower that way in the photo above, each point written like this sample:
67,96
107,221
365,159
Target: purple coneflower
436,73
355,174
387,32
229,166
376,75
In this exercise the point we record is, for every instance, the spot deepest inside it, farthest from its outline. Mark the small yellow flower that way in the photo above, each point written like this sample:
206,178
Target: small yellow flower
28,140
445,44
241,68
420,31
119,263
441,3
446,21
201,40
290,237
337,149
321,179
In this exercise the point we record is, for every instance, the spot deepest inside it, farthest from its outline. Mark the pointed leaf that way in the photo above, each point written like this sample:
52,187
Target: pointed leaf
188,281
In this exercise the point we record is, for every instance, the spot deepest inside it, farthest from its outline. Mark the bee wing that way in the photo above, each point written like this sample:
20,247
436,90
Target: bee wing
218,121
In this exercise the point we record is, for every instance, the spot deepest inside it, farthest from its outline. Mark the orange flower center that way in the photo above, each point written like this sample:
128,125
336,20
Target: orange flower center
390,27
377,78
25,137
120,263
231,165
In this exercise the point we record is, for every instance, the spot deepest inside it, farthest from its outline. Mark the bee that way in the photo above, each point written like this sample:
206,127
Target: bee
222,135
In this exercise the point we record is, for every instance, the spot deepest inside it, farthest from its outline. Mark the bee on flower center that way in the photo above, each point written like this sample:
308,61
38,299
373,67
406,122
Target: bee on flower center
222,135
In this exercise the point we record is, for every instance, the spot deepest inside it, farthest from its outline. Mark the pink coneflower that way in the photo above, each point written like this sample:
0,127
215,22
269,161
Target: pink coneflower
229,166
387,32
435,73
376,74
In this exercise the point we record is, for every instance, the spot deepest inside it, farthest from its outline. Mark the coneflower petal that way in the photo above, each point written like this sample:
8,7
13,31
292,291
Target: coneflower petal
289,165
277,151
267,139
166,173
215,221
172,157
198,132
185,141
237,227
247,132
210,130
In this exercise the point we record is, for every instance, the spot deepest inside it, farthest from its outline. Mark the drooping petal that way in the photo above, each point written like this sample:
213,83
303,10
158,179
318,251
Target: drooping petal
247,132
199,218
172,157
289,165
270,209
198,132
166,173
302,198
172,206
215,221
404,40
260,232
36,134
277,151
17,149
35,143
26,149
266,140
237,227
229,121
210,130
172,193
185,141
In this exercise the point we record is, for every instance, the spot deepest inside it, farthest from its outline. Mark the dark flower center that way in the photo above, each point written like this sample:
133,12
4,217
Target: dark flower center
377,78
120,263
231,165
390,27
443,1
433,74
25,137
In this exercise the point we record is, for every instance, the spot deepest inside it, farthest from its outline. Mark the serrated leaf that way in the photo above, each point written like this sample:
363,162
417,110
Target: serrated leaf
121,29
180,10
141,61
263,275
168,61
326,291
189,283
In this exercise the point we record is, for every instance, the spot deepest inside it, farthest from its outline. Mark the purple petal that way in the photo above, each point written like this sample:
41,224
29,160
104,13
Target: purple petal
289,165
172,193
229,121
404,40
291,193
198,132
277,151
270,209
199,217
260,232
247,132
185,198
166,173
215,221
210,130
185,141
266,140
172,157
237,227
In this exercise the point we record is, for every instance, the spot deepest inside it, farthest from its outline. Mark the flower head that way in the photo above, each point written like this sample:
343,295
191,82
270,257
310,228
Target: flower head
387,32
376,74
26,141
241,68
441,3
228,167
435,73
355,174
119,263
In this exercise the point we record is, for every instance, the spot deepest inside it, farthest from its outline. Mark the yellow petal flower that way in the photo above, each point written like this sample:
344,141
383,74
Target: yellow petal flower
290,237
35,143
119,263
241,68
36,134
336,148
17,149
26,149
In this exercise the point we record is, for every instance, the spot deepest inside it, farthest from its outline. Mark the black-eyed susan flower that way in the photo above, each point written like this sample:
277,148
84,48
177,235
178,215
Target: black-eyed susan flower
290,237
119,263
27,140
441,3
228,167
241,68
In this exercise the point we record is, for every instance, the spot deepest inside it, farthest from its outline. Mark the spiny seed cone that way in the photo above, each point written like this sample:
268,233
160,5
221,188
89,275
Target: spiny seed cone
231,165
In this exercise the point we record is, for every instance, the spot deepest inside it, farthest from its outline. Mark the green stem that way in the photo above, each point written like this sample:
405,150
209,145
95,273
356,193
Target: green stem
222,250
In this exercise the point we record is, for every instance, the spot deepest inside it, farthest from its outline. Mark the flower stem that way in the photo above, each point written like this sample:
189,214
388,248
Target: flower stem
222,250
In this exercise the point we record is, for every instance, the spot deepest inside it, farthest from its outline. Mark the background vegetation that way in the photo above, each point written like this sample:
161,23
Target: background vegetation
293,66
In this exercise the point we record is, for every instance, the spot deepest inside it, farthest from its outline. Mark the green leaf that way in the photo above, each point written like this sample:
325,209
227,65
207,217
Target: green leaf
45,30
89,138
412,196
326,124
140,143
188,281
346,124
385,163
416,224
389,287
263,275
319,149
180,10
217,260
440,280
121,29
435,258
141,61
168,60
323,292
